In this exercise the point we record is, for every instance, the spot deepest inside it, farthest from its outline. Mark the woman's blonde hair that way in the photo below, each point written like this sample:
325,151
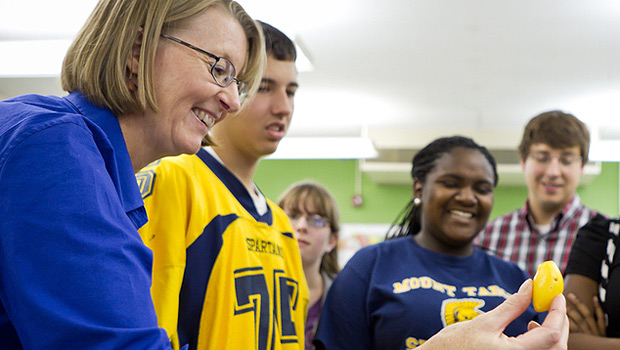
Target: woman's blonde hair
295,199
96,63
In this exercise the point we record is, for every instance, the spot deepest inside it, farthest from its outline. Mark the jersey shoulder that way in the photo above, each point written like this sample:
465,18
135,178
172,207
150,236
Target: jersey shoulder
169,172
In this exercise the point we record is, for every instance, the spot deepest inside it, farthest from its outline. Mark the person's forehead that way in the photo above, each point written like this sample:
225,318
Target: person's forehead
280,72
462,159
217,31
543,147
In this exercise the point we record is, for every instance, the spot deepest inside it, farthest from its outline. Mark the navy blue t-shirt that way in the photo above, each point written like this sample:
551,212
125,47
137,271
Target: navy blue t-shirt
396,295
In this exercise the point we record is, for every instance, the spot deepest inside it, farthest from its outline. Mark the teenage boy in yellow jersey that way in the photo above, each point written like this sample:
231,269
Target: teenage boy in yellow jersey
227,272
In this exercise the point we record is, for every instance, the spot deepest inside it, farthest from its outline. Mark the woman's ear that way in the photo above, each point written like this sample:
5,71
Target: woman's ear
417,188
133,61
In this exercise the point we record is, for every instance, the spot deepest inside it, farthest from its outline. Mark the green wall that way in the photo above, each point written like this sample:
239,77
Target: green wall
382,203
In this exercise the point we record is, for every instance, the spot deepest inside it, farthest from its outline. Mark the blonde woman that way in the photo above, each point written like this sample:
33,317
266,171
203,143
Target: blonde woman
74,273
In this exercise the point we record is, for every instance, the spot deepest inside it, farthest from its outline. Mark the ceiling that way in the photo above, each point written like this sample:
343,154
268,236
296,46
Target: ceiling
404,71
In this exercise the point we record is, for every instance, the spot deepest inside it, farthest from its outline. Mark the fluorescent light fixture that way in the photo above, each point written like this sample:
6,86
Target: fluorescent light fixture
32,58
605,151
303,62
43,58
325,148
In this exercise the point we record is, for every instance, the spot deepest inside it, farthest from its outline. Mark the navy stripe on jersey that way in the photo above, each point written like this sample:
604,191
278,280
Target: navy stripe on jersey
234,186
201,256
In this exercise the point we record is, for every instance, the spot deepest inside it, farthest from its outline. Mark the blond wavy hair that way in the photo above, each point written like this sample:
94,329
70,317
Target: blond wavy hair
96,63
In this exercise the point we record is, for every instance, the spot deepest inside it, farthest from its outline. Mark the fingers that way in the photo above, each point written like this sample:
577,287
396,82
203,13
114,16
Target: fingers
542,338
500,317
532,325
600,317
564,333
581,319
576,321
556,318
573,315
590,323
557,313
553,333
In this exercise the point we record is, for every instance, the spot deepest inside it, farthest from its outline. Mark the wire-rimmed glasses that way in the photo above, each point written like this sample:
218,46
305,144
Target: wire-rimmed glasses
222,70
313,220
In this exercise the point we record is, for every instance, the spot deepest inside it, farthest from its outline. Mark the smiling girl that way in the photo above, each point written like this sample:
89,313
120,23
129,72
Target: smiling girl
399,293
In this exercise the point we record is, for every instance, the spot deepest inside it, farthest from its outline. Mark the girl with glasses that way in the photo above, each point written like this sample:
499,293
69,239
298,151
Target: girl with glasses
314,214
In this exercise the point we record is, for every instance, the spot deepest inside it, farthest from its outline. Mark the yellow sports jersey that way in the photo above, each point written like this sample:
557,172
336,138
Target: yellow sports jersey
224,277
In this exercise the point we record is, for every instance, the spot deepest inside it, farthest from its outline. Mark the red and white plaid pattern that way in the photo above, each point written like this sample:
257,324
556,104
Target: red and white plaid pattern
513,236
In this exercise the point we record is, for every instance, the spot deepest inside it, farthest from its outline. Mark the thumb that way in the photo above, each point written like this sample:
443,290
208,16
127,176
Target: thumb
500,317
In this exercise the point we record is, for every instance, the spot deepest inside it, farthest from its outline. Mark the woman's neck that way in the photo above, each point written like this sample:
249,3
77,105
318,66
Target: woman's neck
135,137
426,242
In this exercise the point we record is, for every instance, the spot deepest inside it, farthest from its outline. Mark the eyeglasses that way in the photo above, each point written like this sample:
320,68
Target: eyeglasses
314,220
545,158
222,70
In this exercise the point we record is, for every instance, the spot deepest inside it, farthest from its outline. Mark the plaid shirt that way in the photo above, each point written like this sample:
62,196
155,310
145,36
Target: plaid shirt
514,237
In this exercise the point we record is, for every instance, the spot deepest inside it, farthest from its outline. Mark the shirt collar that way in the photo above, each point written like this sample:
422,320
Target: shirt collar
571,206
125,181
567,212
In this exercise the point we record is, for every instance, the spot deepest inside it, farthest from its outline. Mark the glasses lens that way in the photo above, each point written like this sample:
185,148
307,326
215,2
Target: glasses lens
316,221
570,160
545,158
223,71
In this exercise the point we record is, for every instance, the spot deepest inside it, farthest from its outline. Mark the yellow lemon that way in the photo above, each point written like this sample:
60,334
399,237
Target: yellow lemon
548,283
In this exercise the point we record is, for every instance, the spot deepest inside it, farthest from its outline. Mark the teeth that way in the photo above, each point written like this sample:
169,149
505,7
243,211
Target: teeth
208,120
274,128
462,214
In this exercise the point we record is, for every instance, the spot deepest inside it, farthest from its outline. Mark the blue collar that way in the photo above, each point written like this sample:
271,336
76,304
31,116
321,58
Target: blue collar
117,158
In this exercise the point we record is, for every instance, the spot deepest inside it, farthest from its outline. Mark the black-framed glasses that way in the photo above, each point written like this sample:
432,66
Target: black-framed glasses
222,70
313,220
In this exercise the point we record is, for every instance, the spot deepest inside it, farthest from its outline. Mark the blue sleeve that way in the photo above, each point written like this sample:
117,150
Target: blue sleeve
74,273
344,322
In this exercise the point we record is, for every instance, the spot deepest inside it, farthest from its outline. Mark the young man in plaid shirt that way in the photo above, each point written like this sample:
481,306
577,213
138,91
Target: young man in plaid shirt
553,151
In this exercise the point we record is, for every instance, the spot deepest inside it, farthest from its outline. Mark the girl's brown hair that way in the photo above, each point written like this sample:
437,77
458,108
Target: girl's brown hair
296,199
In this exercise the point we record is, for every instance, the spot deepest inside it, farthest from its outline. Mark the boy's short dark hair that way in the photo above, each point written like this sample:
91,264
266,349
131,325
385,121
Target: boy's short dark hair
557,130
277,44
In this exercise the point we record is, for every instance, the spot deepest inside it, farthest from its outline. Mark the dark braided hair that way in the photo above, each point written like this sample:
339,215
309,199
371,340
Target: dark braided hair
408,221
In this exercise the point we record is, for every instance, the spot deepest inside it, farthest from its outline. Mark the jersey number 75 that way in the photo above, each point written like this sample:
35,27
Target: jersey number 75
272,314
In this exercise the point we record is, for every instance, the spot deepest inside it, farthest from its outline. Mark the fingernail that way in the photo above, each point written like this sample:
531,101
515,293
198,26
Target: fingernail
525,285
